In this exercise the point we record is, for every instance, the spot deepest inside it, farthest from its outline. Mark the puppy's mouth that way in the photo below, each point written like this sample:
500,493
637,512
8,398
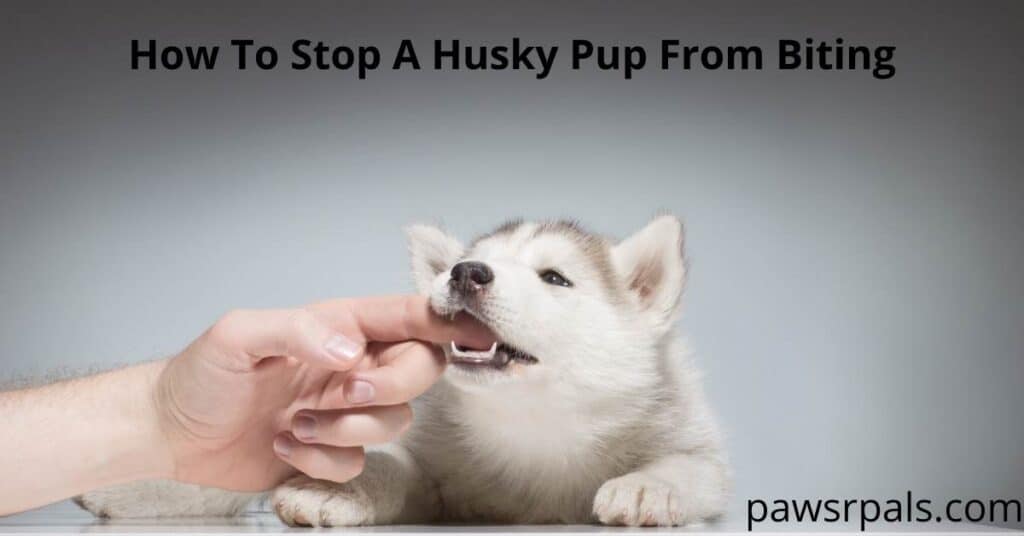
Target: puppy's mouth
498,356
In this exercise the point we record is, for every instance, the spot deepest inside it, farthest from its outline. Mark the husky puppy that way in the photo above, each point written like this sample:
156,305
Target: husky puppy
589,409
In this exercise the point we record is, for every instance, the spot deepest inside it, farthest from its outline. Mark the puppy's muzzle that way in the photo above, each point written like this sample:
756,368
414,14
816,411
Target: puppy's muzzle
470,278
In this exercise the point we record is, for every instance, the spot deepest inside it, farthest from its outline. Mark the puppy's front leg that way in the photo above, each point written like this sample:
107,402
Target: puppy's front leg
391,489
163,498
678,489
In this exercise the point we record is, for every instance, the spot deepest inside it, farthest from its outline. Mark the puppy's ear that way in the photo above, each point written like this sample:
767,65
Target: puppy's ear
652,266
432,251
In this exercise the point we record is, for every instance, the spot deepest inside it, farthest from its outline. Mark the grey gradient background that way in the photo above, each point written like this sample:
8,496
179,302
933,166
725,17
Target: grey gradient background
856,244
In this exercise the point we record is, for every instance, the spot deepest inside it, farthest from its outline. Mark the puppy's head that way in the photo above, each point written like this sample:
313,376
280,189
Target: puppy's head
566,305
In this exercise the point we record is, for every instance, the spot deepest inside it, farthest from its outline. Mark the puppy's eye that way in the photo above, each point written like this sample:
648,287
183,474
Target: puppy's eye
552,277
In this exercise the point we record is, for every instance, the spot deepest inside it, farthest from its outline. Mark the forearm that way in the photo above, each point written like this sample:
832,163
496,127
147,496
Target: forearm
69,437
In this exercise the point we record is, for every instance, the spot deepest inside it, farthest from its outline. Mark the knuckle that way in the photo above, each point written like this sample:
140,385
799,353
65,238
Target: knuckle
225,328
408,316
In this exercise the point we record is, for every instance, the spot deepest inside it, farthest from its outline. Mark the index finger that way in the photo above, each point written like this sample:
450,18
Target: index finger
400,318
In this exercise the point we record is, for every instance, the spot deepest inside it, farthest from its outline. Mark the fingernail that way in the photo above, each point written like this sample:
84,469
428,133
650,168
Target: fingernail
283,446
360,392
341,347
304,427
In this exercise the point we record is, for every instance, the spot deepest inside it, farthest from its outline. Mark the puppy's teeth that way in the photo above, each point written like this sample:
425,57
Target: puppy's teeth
481,355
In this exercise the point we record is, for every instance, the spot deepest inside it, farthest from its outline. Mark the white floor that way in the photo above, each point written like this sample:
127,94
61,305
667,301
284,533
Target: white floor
66,518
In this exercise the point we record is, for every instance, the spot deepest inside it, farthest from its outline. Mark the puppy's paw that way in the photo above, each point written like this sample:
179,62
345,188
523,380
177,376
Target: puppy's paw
639,500
303,501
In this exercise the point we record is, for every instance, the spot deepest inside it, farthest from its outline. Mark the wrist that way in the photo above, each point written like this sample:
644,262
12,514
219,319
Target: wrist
71,437
137,449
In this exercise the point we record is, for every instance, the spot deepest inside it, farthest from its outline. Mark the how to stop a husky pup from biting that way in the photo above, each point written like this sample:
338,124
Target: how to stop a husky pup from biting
590,409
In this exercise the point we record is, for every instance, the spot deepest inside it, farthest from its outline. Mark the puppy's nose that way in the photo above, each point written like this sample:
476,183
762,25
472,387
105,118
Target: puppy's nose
471,275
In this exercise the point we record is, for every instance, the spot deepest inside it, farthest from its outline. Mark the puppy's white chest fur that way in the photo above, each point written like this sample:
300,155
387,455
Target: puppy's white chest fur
521,455
526,426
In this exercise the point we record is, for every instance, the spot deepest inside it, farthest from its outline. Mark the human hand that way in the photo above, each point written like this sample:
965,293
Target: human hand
265,392
230,410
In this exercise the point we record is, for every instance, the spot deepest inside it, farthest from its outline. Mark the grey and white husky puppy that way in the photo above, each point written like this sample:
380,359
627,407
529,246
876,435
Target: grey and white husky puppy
590,409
